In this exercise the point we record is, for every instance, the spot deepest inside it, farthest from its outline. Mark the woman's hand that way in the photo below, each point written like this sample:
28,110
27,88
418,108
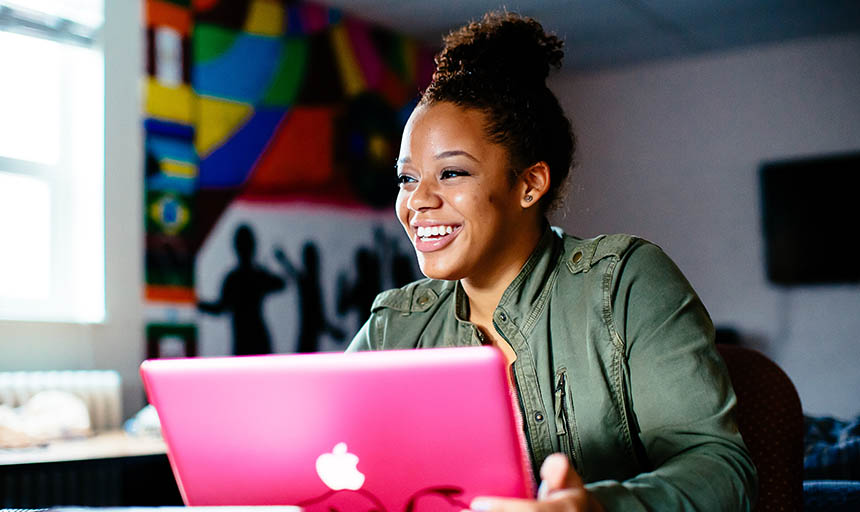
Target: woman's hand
561,490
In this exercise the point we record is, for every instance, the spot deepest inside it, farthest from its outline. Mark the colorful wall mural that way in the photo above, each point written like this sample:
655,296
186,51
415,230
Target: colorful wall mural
271,130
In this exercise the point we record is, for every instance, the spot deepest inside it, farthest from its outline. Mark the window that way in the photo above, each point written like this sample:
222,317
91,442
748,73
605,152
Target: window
51,161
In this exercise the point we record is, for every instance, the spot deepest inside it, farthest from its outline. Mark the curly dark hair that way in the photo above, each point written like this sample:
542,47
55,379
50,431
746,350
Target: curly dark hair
499,65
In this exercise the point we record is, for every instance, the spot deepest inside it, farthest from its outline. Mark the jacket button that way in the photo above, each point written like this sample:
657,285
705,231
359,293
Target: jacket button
503,317
422,300
538,417
577,256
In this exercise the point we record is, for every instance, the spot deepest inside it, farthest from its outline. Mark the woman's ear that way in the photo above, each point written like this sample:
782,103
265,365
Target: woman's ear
534,184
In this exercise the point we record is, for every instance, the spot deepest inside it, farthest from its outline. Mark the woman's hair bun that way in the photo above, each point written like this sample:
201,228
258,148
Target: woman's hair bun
502,46
498,65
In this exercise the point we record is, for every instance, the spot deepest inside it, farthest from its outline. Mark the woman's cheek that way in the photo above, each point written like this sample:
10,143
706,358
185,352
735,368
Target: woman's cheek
468,201
400,209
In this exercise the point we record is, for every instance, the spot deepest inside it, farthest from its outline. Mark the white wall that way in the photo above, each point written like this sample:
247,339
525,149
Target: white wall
118,343
670,151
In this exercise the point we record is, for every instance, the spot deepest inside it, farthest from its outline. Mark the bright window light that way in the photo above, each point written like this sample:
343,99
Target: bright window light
25,266
51,162
30,98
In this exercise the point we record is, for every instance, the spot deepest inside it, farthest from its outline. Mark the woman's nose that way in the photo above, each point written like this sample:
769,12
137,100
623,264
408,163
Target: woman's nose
424,196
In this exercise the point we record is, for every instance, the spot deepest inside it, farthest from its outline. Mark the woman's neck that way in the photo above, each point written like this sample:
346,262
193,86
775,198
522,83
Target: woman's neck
485,290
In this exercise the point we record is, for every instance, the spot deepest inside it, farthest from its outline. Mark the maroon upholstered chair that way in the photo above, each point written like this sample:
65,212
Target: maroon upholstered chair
770,418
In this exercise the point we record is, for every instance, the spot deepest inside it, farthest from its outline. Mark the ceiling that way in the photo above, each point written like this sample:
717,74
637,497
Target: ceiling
607,33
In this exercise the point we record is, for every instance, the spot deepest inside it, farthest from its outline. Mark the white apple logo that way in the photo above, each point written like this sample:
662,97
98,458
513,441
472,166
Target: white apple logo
338,469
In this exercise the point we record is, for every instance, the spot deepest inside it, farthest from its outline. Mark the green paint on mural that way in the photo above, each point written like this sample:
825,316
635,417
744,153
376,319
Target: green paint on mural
288,77
171,340
159,330
210,41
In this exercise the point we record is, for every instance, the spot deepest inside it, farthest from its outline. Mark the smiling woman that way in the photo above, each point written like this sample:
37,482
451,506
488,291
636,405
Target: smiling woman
451,179
624,400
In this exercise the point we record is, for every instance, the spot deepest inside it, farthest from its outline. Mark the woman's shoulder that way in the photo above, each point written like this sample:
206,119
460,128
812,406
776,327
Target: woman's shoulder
581,254
619,258
399,316
417,296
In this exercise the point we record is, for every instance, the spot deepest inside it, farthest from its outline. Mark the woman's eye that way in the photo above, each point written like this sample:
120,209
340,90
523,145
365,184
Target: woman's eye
404,179
453,173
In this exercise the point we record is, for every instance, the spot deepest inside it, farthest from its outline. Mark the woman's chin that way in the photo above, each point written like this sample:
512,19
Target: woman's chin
440,272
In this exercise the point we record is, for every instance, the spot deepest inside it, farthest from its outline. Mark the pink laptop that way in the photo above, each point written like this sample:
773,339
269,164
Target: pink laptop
390,431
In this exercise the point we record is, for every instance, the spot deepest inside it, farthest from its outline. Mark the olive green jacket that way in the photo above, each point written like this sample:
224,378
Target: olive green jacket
616,367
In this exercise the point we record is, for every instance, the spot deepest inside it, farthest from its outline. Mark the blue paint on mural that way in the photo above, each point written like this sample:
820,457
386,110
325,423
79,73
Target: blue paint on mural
171,183
230,164
181,150
243,72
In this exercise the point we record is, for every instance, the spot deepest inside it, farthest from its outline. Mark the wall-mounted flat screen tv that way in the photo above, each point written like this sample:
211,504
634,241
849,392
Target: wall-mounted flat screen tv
811,219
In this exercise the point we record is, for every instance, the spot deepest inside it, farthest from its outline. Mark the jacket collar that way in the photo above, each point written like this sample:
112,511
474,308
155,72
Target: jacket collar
523,299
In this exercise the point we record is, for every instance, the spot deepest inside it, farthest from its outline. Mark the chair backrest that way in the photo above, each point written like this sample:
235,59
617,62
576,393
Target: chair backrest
770,418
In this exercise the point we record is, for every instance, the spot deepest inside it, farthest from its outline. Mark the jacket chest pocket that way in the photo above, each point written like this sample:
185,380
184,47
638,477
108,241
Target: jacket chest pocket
565,421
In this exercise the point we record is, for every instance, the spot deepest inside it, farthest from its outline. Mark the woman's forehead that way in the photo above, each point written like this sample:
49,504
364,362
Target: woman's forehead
445,129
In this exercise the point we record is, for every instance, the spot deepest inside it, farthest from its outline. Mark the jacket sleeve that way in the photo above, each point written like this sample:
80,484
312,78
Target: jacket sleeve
680,395
362,340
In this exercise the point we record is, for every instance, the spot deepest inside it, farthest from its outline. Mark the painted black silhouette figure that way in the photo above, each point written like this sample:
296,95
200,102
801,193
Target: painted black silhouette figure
402,268
242,294
313,322
360,294
402,264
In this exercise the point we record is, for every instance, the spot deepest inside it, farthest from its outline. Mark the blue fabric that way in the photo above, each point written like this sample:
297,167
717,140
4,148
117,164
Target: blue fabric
831,449
831,496
831,464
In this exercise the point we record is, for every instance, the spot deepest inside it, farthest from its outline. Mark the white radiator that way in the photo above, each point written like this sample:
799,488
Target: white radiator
101,391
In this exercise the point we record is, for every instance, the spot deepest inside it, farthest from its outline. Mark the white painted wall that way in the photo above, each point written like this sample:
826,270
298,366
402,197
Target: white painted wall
670,151
118,343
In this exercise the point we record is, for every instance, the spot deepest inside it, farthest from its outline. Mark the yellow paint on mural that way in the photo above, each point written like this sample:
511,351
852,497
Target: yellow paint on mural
265,17
350,73
178,169
378,147
168,102
218,119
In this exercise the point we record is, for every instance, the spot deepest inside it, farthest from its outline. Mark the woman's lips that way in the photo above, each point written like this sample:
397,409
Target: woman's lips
435,238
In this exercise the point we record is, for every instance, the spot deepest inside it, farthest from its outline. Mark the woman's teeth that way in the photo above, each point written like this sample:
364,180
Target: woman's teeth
429,231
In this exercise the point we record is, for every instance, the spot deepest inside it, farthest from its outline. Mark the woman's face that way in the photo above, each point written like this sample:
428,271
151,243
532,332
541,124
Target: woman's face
457,201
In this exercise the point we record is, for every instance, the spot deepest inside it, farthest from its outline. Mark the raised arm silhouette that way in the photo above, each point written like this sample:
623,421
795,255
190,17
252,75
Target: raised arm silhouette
313,322
242,294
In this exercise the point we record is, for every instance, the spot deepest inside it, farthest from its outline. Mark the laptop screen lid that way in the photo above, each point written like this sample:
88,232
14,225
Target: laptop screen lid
428,429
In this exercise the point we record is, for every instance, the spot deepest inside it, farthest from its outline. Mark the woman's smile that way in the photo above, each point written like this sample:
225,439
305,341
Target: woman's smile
433,237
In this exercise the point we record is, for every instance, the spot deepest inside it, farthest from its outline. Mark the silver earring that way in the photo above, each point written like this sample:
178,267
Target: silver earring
528,198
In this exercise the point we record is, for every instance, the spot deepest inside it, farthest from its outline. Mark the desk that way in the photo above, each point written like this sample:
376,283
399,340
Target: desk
109,469
107,445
